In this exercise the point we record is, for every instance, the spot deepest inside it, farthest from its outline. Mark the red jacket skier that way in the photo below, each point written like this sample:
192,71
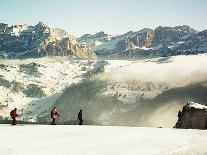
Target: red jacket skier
13,115
54,113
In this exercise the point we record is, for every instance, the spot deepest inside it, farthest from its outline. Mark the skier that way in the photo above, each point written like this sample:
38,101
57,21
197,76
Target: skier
80,117
13,115
53,115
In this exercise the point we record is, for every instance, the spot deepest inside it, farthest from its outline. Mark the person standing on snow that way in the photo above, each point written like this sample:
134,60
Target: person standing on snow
80,117
54,113
13,115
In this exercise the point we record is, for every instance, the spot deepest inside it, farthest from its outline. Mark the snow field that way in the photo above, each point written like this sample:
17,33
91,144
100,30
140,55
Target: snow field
103,140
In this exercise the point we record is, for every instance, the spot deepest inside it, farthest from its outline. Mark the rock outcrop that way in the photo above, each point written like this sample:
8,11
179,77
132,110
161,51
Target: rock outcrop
192,116
24,41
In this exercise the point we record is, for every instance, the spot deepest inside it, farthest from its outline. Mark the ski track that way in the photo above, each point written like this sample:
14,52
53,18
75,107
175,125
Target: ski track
102,140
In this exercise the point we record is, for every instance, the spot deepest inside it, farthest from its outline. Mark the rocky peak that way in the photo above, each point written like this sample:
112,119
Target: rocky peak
41,28
95,39
135,40
3,27
38,41
41,25
13,30
100,34
192,116
60,34
169,35
85,36
185,28
144,37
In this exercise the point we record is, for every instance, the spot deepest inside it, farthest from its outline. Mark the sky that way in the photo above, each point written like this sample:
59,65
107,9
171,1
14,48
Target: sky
79,17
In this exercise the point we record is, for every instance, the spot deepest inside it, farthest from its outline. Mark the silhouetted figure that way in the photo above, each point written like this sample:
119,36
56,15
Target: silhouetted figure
54,113
80,117
13,115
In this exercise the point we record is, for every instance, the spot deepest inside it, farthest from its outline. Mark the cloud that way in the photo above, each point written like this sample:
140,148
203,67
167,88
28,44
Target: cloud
178,71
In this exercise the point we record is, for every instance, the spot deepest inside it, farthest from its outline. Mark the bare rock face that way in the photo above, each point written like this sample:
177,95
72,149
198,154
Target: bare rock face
192,116
24,41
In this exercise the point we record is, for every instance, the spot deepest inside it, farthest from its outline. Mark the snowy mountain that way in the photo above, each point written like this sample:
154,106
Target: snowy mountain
110,92
162,41
24,41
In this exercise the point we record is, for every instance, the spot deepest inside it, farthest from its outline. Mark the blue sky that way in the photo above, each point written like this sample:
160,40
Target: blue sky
112,16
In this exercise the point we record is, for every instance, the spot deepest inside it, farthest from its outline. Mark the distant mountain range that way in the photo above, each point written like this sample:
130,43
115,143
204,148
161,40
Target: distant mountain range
162,41
25,41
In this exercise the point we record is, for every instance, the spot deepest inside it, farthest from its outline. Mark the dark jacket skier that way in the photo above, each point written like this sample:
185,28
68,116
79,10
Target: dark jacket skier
80,117
13,115
54,113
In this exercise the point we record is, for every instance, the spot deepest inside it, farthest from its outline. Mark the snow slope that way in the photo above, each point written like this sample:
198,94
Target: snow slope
50,76
93,140
111,92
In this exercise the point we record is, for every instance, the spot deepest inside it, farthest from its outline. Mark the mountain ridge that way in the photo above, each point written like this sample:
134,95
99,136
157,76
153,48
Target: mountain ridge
161,41
40,40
